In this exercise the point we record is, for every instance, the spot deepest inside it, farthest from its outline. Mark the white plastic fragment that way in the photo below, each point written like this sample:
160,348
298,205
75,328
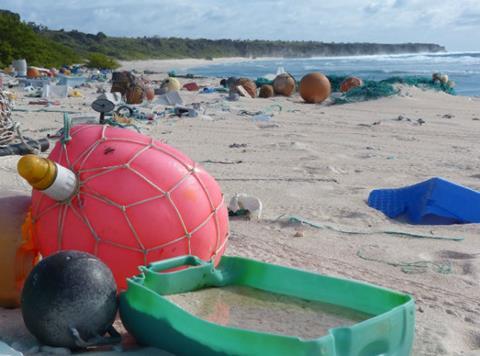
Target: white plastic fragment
249,203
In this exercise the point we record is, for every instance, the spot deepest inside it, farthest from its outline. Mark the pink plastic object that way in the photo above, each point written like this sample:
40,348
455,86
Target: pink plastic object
139,200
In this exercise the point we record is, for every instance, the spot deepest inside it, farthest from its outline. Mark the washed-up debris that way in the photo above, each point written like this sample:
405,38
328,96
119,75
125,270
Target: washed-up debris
55,91
185,111
238,145
243,204
56,316
243,92
284,84
192,86
433,201
172,98
266,91
222,162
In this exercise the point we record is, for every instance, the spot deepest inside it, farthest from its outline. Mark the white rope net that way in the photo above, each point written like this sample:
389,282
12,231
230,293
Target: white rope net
88,173
8,128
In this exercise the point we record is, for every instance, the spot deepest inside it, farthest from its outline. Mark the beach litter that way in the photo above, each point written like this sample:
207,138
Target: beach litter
242,204
97,185
435,201
69,300
223,296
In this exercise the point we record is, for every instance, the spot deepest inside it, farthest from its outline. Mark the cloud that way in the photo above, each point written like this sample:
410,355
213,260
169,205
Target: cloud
448,22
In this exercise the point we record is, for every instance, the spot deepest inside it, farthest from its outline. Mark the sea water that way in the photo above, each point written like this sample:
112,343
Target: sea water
250,308
462,67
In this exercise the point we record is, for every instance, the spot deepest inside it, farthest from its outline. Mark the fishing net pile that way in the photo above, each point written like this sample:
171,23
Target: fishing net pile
377,89
8,127
372,89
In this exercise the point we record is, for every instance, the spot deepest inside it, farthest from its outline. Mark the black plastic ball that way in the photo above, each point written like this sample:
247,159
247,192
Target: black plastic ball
66,291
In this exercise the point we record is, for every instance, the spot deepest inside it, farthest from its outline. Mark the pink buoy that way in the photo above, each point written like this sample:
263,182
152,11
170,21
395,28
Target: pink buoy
138,200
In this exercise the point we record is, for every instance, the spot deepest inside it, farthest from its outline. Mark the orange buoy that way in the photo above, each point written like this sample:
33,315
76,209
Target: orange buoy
33,72
284,84
266,91
149,93
315,88
350,83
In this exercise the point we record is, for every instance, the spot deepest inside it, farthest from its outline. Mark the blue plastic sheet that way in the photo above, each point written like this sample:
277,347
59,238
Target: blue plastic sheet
435,201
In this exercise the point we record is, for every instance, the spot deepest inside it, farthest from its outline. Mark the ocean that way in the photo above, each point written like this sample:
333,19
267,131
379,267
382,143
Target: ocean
462,67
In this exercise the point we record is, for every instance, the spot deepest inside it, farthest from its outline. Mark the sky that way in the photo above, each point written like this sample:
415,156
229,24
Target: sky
452,23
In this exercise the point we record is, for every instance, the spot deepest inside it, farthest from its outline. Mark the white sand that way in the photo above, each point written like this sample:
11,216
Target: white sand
320,162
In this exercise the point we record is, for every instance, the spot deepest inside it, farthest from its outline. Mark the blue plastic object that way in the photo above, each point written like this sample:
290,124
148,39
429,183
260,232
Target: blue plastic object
433,201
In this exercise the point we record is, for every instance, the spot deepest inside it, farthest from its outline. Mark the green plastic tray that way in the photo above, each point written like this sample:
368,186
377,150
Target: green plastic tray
155,321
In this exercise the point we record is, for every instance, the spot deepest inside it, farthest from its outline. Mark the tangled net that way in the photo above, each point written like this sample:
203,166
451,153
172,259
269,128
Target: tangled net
8,127
372,89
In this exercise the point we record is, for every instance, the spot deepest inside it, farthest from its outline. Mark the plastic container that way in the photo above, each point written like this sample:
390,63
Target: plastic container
15,261
20,66
435,201
69,81
155,321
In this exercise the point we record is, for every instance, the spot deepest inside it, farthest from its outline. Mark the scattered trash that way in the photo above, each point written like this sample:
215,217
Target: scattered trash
243,204
169,85
185,111
262,117
435,201
207,90
55,91
171,98
192,86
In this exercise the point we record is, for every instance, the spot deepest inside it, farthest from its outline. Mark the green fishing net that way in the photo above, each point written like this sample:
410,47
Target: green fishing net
372,89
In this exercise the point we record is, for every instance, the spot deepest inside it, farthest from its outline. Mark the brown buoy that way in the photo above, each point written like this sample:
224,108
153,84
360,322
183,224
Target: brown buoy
266,91
314,88
248,85
284,84
149,93
33,72
350,83
135,93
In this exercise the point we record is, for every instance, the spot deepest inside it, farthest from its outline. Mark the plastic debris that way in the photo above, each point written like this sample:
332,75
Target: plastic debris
170,98
192,86
435,201
243,204
55,91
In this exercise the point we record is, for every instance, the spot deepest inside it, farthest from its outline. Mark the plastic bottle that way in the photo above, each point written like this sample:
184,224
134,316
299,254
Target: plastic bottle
16,261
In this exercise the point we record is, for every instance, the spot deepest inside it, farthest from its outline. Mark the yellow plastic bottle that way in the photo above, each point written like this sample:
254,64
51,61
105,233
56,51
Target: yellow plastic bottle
17,253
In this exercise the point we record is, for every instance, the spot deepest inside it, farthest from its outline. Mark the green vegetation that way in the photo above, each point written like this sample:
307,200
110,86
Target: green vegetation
44,47
101,61
126,48
19,40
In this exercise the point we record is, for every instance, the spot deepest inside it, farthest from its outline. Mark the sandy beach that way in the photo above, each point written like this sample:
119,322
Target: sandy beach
320,162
